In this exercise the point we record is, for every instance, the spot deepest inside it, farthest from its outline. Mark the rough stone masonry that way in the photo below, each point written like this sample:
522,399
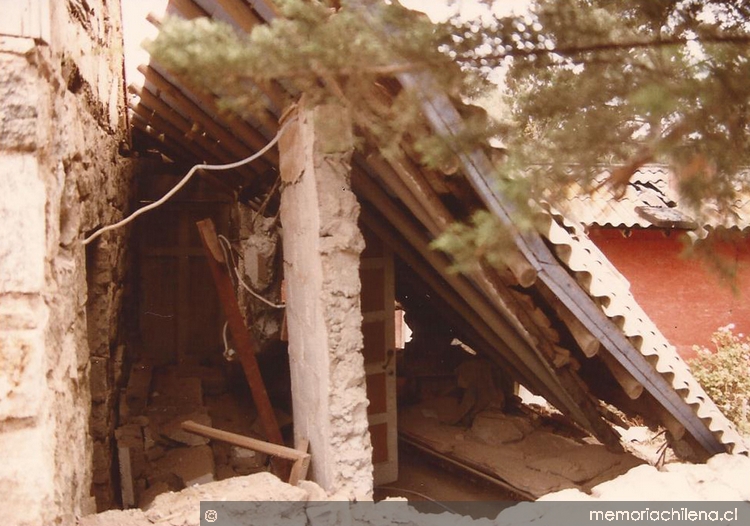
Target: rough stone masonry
61,121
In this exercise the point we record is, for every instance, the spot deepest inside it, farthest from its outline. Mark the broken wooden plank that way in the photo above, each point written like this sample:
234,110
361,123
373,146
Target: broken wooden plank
300,457
243,340
302,464
276,450
136,394
465,466
129,441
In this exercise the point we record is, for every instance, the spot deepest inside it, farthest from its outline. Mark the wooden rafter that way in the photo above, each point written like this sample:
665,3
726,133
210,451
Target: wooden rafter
241,129
219,135
191,139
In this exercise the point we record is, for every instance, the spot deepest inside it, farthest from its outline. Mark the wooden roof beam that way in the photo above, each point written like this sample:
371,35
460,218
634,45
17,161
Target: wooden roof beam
226,140
177,150
446,120
166,145
239,128
408,182
207,149
244,16
273,91
189,9
456,302
241,14
518,349
417,207
571,398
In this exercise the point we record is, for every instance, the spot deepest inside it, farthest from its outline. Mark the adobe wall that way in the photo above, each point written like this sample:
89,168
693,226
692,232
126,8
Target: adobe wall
61,175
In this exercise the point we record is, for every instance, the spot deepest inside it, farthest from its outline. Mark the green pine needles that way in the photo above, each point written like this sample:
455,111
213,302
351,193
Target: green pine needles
590,85
329,55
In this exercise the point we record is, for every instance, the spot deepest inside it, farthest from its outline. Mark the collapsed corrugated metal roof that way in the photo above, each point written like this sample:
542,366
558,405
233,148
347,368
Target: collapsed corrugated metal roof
561,317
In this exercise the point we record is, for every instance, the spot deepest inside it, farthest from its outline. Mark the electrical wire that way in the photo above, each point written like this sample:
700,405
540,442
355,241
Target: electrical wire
232,266
228,351
418,494
184,181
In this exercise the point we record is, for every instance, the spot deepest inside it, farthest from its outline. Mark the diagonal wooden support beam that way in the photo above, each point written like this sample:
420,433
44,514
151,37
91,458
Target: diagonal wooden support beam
243,340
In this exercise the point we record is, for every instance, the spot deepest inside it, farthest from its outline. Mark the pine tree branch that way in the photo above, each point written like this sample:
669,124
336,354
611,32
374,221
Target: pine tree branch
390,69
571,51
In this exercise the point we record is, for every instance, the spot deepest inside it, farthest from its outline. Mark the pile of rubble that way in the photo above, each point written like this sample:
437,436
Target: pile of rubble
521,449
724,477
181,509
156,455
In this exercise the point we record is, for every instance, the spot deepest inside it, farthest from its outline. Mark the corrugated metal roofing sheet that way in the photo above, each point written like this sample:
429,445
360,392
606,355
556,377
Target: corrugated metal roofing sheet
650,187
604,283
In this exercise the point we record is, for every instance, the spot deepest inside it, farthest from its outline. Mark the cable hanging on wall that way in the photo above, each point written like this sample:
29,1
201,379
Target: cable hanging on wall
226,248
184,181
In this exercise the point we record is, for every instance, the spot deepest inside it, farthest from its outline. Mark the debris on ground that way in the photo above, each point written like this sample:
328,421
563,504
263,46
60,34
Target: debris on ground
181,509
723,477
156,454
521,450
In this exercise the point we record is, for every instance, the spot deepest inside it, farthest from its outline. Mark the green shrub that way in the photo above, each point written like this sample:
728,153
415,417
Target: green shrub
725,374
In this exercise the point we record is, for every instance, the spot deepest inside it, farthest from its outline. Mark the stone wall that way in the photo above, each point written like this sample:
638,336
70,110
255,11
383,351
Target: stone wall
61,176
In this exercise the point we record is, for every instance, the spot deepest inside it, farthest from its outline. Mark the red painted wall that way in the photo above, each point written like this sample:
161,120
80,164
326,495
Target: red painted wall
685,298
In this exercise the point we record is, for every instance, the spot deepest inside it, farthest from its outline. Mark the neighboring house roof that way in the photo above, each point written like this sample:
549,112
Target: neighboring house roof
561,319
648,200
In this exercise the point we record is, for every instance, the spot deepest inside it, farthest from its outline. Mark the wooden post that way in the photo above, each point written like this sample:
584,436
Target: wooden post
246,346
